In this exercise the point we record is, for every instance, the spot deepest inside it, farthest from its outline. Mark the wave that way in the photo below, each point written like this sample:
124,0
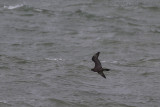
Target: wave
55,59
11,7
27,9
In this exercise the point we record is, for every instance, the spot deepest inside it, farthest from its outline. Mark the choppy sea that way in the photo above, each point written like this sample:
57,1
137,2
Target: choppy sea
46,48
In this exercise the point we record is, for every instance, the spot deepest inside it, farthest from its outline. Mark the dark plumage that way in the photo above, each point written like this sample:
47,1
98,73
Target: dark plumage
98,67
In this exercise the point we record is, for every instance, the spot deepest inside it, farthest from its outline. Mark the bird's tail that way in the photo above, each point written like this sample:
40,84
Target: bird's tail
106,69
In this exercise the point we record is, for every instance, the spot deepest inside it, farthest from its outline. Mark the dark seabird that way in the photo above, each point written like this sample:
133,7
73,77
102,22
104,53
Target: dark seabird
98,67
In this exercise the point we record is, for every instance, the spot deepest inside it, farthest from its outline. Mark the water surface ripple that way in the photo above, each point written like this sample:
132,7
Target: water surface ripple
46,49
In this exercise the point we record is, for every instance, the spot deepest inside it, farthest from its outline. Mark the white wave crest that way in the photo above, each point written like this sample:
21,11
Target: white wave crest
54,59
14,6
114,62
103,61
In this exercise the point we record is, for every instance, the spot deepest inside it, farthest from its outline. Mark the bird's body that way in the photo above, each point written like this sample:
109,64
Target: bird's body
98,67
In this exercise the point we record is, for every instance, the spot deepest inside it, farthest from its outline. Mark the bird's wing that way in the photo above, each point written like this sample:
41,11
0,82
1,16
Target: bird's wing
102,74
96,60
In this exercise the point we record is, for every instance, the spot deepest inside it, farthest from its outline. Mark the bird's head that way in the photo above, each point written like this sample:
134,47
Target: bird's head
97,53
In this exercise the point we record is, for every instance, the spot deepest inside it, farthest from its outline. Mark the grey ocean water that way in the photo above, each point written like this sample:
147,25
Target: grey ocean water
46,48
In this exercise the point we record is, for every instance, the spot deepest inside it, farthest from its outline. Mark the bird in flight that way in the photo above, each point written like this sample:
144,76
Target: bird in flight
98,67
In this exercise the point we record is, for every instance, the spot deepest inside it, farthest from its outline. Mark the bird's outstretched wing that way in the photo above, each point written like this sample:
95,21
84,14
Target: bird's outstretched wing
96,60
102,74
